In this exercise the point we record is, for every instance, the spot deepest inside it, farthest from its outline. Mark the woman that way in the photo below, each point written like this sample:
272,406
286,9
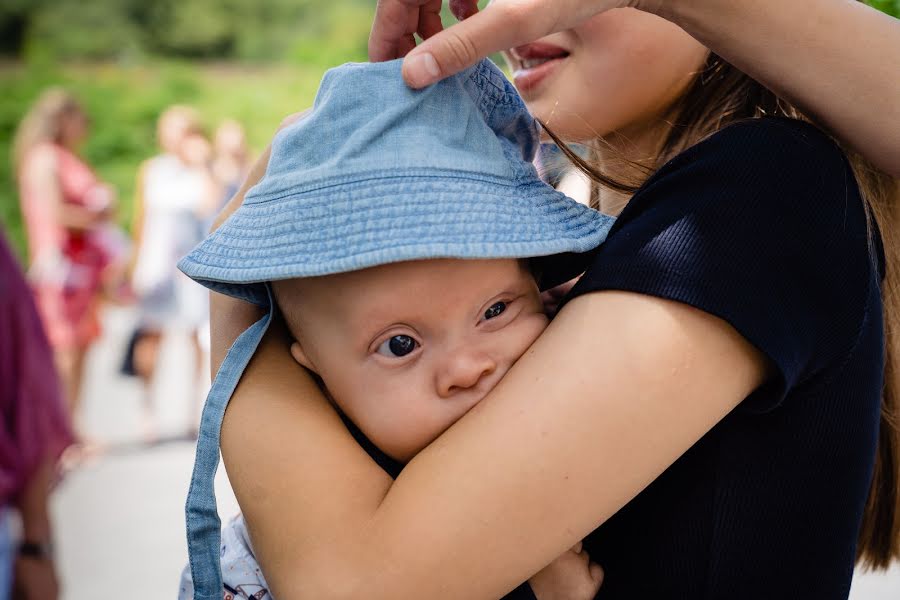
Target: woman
74,250
714,378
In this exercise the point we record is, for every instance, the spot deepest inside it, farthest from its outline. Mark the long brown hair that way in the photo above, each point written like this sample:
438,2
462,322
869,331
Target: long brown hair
43,122
720,95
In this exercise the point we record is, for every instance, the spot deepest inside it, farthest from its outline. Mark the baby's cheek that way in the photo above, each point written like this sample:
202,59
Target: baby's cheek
536,324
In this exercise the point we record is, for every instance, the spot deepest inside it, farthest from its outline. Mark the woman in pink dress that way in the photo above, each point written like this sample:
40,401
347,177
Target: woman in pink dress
72,245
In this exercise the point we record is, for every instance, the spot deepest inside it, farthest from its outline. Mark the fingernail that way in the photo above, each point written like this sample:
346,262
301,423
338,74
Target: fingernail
422,69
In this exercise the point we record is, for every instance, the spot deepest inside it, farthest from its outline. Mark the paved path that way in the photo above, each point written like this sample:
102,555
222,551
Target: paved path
120,519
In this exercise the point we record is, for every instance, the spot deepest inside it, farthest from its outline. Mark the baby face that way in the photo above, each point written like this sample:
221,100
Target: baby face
407,349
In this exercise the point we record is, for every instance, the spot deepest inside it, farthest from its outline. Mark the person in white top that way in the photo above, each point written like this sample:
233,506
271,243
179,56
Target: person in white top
176,194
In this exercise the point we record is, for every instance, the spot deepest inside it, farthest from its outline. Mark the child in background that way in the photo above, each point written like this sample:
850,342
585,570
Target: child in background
406,250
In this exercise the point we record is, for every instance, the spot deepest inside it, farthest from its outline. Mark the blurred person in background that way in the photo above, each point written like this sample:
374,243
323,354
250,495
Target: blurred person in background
231,160
75,250
176,193
34,430
230,165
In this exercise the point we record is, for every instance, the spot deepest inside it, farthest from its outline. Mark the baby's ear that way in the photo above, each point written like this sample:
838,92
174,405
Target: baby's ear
300,356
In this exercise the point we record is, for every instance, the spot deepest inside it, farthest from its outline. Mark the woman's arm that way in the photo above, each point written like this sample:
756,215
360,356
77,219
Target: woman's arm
836,59
36,576
40,174
506,489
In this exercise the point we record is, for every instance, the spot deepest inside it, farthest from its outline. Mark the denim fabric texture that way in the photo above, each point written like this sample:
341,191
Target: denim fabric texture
381,173
378,173
203,524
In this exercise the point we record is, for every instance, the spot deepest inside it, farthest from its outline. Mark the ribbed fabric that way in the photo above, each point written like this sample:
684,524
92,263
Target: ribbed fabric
761,225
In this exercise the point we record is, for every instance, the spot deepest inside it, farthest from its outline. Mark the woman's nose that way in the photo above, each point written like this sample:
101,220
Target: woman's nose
463,370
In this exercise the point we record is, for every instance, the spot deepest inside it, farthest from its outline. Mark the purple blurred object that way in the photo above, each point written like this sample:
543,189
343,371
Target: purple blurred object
34,421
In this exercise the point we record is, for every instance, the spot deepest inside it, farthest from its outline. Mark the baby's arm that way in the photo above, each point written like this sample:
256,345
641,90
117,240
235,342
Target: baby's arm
572,576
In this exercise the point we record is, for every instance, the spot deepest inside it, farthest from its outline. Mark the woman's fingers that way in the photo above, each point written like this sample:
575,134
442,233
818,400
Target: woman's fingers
463,9
503,24
396,24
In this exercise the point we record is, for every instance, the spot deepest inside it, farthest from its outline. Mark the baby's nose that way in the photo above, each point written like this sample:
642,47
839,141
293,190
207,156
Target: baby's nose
464,370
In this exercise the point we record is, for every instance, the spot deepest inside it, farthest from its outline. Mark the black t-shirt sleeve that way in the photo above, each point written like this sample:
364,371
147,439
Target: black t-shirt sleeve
523,592
761,225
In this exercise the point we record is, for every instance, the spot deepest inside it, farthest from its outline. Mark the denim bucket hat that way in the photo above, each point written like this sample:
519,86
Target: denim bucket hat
379,173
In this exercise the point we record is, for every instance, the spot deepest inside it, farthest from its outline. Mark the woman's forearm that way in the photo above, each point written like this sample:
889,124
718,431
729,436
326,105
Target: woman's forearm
479,511
32,504
838,60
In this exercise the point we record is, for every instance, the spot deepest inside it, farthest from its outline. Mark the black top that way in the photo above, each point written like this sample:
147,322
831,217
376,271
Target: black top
761,225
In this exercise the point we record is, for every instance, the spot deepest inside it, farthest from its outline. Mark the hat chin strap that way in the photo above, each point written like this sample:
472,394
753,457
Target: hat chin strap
203,524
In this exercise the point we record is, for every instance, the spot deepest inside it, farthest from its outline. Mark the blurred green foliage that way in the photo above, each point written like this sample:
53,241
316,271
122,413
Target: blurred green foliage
221,29
891,7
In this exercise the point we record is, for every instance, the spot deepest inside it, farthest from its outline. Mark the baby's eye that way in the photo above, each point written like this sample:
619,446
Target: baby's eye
495,310
397,346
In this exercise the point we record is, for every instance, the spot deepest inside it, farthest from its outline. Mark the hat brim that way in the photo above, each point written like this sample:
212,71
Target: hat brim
391,219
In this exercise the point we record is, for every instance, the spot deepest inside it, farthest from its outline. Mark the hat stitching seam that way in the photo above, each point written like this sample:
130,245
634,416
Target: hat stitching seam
355,179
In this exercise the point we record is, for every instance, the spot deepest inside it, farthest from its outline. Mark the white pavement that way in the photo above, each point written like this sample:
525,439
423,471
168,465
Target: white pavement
120,519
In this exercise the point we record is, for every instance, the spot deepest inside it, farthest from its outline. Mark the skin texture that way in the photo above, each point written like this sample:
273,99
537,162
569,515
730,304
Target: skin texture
839,67
35,578
602,55
467,321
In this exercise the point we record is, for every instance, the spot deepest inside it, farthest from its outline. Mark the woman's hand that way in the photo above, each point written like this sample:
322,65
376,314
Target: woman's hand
504,24
818,64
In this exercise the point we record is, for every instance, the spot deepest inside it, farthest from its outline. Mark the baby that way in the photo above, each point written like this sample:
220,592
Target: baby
394,229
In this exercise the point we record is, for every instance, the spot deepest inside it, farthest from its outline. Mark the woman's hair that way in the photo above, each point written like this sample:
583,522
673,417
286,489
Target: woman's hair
43,122
720,95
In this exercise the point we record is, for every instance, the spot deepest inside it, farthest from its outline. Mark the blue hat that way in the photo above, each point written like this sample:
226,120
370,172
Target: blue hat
378,173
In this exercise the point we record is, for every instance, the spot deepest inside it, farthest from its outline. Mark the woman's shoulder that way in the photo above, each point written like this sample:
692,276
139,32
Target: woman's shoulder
41,157
778,143
760,171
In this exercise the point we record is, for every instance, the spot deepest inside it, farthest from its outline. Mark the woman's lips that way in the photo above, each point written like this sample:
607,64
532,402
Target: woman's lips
527,79
534,63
